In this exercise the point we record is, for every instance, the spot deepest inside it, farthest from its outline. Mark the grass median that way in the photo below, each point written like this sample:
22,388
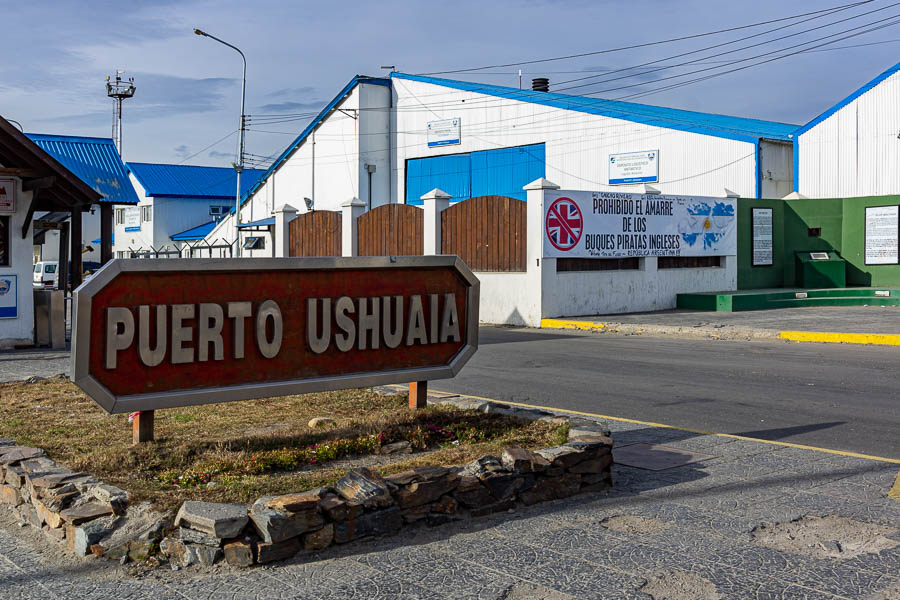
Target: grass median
239,451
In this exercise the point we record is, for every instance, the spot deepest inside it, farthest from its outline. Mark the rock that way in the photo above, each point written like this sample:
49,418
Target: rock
552,488
178,552
338,509
523,461
267,552
28,515
503,485
85,512
400,447
446,505
480,466
35,379
364,487
276,525
140,550
14,454
49,479
471,494
109,493
196,537
492,508
218,519
319,539
52,519
295,502
380,522
5,441
15,476
58,498
10,495
580,435
238,553
416,513
82,537
401,479
55,533
206,555
594,465
565,456
321,422
423,492
436,519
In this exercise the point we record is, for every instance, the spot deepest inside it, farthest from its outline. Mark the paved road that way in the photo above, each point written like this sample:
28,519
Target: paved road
842,397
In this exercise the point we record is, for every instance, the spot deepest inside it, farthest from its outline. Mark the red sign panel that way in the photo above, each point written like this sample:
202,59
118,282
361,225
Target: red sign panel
160,333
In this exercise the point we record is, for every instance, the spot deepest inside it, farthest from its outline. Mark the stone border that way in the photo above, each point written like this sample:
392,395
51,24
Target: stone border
90,517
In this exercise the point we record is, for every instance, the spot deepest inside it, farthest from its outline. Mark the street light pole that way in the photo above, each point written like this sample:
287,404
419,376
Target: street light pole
239,167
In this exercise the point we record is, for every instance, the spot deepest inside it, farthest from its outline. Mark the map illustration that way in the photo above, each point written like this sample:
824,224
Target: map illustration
709,223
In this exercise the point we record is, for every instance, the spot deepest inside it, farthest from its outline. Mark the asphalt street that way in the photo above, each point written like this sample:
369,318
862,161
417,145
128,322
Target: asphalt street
842,397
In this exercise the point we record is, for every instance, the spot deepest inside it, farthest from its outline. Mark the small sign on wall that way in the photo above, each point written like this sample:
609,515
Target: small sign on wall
444,133
9,303
882,235
762,223
634,167
7,195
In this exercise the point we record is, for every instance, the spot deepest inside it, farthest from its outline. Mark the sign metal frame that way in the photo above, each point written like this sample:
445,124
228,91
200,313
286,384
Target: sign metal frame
81,334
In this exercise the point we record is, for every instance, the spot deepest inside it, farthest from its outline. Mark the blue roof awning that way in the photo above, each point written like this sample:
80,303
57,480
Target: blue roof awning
189,181
260,223
95,161
196,233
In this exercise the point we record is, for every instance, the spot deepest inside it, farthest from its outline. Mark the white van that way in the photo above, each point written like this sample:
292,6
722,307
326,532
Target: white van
45,274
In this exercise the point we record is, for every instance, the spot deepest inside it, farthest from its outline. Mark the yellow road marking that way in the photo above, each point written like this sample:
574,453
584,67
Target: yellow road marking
880,339
697,431
567,324
895,491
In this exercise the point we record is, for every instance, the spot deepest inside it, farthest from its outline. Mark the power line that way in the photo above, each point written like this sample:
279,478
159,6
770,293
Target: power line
216,143
645,45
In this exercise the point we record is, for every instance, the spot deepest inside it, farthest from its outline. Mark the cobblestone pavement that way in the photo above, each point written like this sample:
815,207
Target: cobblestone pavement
700,518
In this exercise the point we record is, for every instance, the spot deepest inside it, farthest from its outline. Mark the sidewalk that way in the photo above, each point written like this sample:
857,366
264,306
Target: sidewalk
860,324
692,531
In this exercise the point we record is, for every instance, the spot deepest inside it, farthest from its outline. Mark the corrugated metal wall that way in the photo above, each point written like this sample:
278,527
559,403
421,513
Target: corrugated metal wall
855,151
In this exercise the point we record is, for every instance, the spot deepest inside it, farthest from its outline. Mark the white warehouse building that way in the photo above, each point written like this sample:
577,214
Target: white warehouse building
392,140
853,148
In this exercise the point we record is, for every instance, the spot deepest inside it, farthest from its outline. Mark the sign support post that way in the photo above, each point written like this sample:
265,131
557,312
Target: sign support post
142,427
418,395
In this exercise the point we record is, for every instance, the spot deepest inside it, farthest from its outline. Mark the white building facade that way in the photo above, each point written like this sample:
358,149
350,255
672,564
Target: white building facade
853,148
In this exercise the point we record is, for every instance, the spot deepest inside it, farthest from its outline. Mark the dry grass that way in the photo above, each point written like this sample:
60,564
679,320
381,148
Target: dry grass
56,416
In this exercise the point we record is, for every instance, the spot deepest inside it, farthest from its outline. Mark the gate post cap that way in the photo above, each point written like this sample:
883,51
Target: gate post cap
541,184
436,194
354,201
285,208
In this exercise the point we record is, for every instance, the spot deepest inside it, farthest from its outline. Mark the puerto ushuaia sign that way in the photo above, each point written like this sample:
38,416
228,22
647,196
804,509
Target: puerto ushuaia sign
151,334
614,225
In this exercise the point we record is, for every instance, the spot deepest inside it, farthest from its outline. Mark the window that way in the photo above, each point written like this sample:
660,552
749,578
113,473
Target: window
120,216
254,243
568,265
37,268
688,262
146,214
49,268
5,235
121,254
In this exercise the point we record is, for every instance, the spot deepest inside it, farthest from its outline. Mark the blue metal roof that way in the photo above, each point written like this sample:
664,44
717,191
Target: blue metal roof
260,223
94,160
736,128
97,241
195,233
312,125
188,181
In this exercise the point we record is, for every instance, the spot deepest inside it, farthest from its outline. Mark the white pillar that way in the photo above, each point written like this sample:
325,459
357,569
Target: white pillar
434,202
351,210
284,214
541,272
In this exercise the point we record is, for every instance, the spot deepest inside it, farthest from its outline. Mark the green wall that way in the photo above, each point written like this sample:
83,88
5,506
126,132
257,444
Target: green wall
842,221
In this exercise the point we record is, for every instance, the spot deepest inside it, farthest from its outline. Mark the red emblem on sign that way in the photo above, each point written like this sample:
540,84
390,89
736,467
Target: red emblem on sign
564,224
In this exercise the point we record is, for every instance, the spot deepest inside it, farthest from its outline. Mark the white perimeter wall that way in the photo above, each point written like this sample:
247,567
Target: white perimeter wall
577,145
21,329
855,151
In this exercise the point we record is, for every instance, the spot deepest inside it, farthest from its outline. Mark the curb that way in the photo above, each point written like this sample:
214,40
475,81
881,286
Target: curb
725,332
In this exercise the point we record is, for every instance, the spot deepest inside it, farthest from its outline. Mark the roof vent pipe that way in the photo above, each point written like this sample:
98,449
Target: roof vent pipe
540,84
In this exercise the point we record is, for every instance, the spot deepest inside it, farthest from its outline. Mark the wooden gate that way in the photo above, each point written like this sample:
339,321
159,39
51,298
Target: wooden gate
487,232
391,230
316,233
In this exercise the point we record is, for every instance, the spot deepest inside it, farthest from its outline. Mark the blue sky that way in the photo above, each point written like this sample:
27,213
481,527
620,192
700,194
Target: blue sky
301,53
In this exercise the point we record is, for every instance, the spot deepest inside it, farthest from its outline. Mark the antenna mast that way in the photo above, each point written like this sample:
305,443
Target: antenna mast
119,89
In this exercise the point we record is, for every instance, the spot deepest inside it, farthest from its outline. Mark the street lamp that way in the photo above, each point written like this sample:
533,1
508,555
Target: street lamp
239,167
